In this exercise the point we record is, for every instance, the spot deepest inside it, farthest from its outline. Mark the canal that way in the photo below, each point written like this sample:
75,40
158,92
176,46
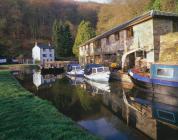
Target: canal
112,111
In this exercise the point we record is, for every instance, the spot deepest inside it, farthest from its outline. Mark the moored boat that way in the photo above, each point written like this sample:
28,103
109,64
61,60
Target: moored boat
74,70
96,72
161,79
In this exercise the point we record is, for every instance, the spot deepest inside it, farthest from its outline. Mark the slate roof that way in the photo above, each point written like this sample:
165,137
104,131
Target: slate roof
43,46
136,20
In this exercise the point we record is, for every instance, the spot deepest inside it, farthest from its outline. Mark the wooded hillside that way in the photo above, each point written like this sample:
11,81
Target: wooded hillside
24,21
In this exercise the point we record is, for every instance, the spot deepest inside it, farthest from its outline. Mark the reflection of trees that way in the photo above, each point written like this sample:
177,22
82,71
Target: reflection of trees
85,101
66,97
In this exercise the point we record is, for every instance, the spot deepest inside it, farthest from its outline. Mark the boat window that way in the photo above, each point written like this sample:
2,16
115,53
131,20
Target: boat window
166,115
93,70
78,68
106,69
165,72
99,69
73,68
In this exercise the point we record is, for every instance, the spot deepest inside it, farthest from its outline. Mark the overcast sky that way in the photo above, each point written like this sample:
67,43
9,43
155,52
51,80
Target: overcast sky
99,1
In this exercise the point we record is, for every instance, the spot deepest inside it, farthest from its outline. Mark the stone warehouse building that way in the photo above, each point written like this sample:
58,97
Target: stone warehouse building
137,38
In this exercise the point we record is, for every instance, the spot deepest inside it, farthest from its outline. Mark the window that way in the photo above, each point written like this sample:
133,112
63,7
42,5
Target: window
73,68
78,68
129,32
106,69
44,50
117,36
50,55
50,50
165,115
44,55
100,70
175,26
107,41
165,72
93,70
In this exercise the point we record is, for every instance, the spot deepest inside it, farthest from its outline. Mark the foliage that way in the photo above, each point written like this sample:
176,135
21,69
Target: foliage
25,21
24,116
84,33
62,38
164,5
37,61
118,12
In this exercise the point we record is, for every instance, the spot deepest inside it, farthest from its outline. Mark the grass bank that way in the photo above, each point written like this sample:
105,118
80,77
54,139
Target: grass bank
17,66
24,116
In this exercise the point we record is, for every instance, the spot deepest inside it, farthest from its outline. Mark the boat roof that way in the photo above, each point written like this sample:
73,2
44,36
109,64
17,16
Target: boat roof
74,65
166,64
94,65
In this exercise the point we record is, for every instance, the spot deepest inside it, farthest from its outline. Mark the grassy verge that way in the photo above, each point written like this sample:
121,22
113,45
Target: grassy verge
17,66
24,116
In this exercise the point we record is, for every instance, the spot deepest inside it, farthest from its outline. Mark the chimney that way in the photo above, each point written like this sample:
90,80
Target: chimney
49,44
36,43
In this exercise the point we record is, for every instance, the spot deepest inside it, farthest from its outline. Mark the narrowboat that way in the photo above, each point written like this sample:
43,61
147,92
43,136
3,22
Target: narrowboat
97,72
74,70
162,78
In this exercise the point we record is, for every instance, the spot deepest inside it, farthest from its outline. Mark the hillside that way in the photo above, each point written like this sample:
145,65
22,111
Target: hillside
24,21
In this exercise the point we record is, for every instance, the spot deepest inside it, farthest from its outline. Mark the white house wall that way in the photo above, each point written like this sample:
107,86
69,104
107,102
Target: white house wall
36,54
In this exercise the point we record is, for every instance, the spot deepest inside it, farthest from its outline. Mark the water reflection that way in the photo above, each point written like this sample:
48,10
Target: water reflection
109,110
39,79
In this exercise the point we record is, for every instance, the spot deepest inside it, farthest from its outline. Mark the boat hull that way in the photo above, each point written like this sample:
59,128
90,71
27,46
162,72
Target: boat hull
79,73
150,85
99,77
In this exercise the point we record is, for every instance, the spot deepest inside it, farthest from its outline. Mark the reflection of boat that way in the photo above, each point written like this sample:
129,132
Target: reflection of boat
74,70
162,109
162,78
98,87
96,72
75,80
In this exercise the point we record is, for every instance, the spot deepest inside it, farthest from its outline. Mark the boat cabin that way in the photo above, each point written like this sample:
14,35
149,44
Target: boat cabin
95,68
164,72
73,67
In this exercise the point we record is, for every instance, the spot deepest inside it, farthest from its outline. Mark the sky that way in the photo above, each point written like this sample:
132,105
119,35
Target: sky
99,1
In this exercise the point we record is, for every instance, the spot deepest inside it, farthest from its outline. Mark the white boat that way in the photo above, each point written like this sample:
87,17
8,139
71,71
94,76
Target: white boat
96,72
75,70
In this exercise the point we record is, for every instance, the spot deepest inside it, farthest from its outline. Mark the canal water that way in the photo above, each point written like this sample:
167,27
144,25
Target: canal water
112,111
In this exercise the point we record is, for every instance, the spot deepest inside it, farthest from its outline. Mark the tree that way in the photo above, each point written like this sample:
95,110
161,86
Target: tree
58,38
62,39
85,32
68,41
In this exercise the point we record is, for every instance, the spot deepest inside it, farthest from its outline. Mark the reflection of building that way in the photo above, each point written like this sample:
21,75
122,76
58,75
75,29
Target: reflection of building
39,79
145,115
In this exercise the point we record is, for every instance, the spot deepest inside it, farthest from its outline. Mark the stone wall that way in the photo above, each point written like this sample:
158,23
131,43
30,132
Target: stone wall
161,27
169,48
143,38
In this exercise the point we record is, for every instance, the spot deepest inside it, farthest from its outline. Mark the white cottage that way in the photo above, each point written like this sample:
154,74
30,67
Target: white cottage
42,53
